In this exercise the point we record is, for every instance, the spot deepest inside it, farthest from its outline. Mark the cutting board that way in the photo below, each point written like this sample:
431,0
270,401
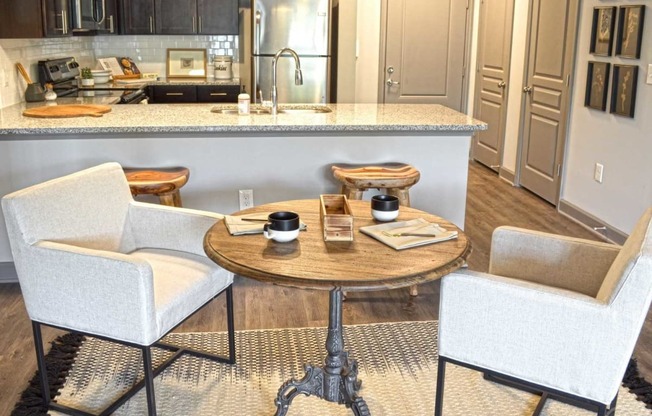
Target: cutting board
67,110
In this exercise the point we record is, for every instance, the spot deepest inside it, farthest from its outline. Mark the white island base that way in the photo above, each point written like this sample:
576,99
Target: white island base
276,165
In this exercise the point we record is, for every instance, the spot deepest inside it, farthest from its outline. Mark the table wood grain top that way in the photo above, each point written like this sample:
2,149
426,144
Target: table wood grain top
311,263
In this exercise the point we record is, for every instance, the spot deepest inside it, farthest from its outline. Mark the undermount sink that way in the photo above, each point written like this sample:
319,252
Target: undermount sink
229,110
304,110
290,109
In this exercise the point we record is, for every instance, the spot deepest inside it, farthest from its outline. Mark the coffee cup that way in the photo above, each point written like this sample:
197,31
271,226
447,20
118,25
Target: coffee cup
282,226
384,207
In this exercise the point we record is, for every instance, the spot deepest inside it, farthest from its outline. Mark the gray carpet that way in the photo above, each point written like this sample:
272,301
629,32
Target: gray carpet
397,366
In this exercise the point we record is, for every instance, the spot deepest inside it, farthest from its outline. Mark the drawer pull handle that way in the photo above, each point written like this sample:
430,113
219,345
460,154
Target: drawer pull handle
218,93
173,93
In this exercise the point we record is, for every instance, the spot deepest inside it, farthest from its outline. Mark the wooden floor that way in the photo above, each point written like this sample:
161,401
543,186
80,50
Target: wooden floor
491,202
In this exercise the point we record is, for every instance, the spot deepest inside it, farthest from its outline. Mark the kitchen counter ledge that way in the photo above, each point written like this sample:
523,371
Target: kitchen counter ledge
197,118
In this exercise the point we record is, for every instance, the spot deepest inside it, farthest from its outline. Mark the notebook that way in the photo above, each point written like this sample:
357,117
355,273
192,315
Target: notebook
429,233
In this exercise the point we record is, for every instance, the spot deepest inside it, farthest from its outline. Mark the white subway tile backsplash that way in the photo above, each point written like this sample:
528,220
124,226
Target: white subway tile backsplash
149,51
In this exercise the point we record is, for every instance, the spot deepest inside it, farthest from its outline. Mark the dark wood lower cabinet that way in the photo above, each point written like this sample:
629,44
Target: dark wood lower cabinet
218,93
166,94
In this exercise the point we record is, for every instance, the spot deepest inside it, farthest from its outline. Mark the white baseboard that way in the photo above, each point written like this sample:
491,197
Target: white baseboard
8,273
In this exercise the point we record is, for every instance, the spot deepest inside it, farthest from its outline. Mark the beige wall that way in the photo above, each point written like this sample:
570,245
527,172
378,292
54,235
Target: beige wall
623,145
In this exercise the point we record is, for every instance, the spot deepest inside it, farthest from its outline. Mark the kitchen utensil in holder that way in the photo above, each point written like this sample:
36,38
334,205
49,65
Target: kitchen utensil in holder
34,92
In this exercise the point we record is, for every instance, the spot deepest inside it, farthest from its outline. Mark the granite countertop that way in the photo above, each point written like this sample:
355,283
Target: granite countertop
157,119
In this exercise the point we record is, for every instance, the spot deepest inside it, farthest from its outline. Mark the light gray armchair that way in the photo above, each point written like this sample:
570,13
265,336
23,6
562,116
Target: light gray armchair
557,314
92,260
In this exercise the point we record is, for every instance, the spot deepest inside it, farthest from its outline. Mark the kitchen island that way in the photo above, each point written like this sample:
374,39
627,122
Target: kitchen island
282,157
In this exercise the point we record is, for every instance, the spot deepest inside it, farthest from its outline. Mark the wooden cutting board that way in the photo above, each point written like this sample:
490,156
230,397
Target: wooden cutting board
67,110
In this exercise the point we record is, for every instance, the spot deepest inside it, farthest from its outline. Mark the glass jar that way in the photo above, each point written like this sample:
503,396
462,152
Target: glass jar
223,67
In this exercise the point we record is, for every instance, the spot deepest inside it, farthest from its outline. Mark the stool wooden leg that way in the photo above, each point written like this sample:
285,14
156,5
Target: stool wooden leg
403,195
172,199
352,193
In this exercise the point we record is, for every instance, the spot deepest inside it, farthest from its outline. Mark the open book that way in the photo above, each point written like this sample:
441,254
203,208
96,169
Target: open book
407,234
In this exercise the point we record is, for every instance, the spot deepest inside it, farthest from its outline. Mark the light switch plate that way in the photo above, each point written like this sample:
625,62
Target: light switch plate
649,74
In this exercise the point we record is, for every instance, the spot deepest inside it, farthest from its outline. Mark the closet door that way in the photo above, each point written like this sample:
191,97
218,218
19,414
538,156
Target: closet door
553,30
494,52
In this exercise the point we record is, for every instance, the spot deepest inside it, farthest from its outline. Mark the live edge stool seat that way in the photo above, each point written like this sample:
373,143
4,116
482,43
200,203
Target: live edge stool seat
396,179
162,182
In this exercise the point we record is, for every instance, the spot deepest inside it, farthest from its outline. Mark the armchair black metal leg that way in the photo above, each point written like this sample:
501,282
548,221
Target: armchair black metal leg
441,375
149,381
541,405
40,361
230,324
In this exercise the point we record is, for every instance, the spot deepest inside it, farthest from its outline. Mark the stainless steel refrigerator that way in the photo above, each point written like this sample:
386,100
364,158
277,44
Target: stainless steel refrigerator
303,25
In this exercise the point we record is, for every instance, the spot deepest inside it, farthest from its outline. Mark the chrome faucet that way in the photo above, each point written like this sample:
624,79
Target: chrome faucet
298,75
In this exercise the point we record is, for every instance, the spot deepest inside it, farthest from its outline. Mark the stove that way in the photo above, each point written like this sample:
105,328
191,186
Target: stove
62,73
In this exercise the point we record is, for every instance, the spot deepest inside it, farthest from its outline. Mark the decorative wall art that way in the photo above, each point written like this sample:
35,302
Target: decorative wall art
597,85
186,63
623,90
602,32
630,31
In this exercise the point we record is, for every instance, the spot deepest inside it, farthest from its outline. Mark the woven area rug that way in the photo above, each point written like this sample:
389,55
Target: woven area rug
397,366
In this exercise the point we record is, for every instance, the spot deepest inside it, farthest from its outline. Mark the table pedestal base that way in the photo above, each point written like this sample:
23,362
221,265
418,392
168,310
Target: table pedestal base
337,381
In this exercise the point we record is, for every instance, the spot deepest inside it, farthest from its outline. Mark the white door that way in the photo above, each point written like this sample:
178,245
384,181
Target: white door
553,31
425,51
494,52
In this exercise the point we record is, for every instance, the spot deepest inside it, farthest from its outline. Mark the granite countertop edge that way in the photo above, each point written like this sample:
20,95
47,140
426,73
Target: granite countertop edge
239,129
198,119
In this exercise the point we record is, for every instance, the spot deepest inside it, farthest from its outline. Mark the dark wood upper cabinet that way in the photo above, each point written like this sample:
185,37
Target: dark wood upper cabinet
138,17
34,18
110,24
217,17
176,17
188,17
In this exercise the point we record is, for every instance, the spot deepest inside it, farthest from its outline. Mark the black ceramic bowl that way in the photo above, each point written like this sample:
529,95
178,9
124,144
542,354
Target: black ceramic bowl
384,203
384,207
284,221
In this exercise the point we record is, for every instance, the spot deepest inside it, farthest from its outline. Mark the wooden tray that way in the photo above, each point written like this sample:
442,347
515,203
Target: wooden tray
336,218
67,110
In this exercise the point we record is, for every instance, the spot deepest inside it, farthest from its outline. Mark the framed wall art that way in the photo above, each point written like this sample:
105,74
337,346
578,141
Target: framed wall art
623,90
186,63
630,31
597,85
602,31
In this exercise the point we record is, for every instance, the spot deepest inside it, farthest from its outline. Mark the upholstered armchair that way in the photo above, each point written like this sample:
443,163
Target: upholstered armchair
557,314
92,260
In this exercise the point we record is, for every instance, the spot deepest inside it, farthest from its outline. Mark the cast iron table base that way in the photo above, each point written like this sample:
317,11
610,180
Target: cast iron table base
337,381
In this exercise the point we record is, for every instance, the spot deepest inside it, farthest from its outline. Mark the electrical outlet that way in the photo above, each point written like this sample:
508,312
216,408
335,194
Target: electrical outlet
246,198
597,172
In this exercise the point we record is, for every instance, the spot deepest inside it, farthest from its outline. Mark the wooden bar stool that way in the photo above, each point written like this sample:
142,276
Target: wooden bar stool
162,182
395,179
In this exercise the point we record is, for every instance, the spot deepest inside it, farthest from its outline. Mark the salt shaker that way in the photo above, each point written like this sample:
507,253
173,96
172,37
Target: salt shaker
243,103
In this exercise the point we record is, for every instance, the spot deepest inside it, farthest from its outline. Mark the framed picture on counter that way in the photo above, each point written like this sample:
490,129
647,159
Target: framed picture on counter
630,31
186,63
604,21
623,90
597,85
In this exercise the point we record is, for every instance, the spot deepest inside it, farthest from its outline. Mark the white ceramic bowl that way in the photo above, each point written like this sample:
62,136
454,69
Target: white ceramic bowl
101,76
384,215
282,236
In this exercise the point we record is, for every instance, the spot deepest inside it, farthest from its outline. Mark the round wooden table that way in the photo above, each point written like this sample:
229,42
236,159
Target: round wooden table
311,263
